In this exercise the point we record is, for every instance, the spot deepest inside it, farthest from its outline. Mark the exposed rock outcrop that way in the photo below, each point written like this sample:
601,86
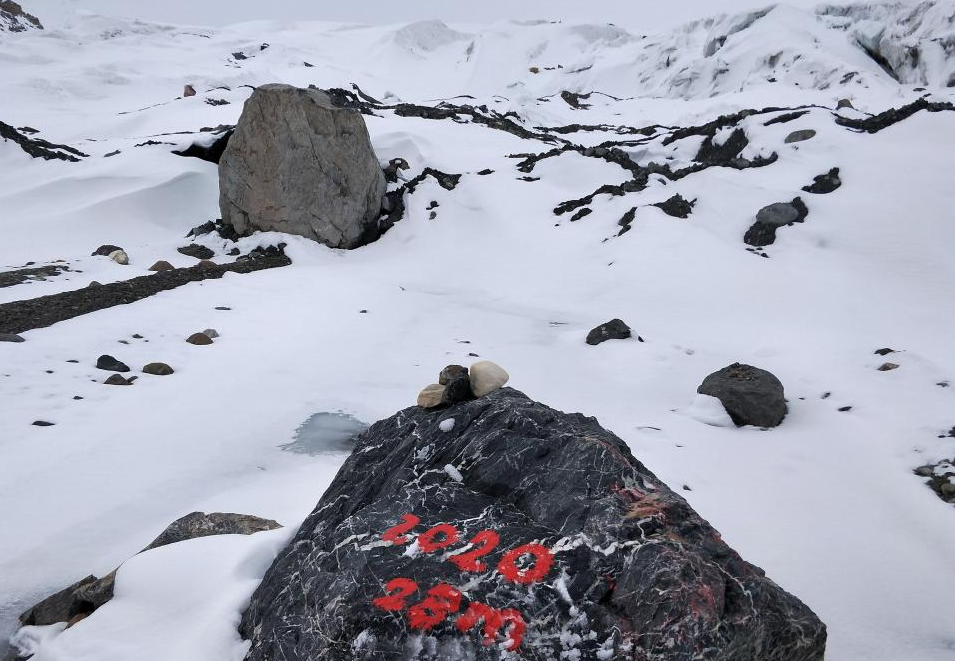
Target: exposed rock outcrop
14,19
301,164
499,527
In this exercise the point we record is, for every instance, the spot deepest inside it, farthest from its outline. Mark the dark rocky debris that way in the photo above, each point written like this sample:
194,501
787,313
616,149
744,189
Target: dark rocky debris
38,148
676,206
750,395
615,329
197,251
941,477
823,184
19,276
20,316
521,530
770,218
892,116
105,250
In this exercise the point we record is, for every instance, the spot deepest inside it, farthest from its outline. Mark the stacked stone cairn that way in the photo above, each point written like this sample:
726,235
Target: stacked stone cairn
457,383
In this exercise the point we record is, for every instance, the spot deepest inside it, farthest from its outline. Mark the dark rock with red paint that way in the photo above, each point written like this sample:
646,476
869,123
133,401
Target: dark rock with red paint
575,538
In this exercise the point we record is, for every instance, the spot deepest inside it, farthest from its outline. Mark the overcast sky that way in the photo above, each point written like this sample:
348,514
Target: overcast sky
640,15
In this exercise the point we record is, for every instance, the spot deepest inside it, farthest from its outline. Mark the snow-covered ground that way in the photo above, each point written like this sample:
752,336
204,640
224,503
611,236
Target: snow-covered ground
827,503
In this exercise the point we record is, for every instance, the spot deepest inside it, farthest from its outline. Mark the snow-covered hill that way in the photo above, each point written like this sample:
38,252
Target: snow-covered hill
827,503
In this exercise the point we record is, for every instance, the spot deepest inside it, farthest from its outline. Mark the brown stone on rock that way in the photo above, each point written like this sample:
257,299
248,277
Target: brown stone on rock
188,90
118,380
162,265
206,264
158,369
888,367
451,371
431,396
199,339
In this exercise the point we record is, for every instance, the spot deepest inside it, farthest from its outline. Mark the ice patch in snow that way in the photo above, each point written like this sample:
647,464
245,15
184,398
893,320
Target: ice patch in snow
446,425
326,432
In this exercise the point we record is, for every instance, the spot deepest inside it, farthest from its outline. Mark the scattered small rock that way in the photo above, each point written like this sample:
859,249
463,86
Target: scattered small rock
844,103
676,206
42,423
120,257
884,352
486,377
800,136
77,397
107,362
162,265
11,337
188,90
223,307
431,396
751,396
199,339
118,380
887,367
615,329
197,251
158,369
824,184
844,409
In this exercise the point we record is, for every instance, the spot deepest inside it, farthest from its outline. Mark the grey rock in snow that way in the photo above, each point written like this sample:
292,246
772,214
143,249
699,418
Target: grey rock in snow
800,136
518,532
750,395
298,163
615,329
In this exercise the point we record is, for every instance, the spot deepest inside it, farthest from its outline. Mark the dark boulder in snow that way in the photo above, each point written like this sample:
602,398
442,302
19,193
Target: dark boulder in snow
515,531
750,395
772,217
105,250
88,594
676,206
107,362
824,183
301,164
615,329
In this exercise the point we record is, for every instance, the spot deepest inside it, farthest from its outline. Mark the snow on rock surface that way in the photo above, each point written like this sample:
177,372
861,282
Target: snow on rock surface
483,265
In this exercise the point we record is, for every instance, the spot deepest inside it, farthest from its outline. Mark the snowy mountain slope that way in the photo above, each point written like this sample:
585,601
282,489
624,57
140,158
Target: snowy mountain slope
826,503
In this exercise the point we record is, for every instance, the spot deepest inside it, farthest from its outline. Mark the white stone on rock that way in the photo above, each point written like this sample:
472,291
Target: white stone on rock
486,377
120,257
446,425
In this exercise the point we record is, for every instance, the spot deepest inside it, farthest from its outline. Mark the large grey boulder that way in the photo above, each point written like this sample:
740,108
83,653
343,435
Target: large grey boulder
297,163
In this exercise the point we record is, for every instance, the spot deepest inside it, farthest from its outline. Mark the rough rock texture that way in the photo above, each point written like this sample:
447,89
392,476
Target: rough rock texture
615,329
772,217
431,396
107,362
158,369
88,594
518,527
14,19
199,339
197,251
824,184
750,395
162,265
298,163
